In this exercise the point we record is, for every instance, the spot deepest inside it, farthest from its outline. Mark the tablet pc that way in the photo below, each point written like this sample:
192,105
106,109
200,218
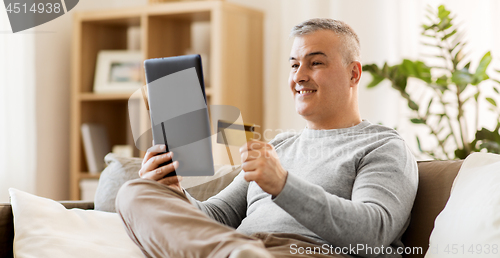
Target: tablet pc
179,113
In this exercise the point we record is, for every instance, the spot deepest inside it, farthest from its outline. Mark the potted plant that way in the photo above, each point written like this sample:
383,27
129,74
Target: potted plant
452,85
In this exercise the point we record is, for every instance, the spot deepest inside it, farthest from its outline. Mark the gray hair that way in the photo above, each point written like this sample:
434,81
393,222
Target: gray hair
349,39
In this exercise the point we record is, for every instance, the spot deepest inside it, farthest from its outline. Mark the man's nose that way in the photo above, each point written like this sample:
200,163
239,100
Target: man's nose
301,75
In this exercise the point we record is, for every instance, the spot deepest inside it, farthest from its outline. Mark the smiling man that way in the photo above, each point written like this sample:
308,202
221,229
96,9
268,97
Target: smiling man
341,187
325,72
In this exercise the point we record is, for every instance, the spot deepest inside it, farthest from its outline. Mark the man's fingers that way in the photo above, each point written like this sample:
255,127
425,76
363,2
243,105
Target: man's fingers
155,161
249,165
160,172
152,151
251,176
252,145
250,155
157,148
170,180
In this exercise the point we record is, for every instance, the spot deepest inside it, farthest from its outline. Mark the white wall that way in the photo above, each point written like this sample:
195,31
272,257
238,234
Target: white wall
17,109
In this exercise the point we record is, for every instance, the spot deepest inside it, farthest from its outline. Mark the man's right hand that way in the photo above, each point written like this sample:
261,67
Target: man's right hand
151,171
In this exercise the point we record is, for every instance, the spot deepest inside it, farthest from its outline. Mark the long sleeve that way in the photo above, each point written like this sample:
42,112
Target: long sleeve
382,197
345,187
229,206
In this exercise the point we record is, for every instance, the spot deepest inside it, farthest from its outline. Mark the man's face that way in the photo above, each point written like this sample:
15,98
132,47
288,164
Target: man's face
319,82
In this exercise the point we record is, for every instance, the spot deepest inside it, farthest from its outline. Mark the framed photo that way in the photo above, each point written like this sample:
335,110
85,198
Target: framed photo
118,71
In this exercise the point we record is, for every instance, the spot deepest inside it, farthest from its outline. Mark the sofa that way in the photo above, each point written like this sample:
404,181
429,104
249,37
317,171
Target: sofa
435,182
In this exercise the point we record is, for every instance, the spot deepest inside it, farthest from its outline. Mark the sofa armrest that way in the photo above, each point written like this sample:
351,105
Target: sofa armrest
7,224
435,180
6,230
84,205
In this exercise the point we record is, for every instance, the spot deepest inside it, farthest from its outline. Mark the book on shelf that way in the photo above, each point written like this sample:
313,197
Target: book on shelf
96,146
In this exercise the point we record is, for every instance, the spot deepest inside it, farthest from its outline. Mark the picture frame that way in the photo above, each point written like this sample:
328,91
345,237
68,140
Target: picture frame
118,71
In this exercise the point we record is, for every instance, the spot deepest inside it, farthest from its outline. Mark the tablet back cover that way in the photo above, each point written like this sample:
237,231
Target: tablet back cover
177,99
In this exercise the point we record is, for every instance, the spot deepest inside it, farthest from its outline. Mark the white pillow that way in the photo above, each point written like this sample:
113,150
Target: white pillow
469,224
45,228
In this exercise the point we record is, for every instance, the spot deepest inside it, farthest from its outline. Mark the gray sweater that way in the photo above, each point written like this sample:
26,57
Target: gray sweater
344,187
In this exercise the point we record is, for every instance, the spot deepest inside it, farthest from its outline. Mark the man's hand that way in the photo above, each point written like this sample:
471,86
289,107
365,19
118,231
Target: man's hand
261,164
150,169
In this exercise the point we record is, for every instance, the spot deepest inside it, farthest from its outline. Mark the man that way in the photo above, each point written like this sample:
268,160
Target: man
342,185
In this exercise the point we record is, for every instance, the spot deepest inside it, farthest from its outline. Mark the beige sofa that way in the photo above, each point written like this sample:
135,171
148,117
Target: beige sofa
435,181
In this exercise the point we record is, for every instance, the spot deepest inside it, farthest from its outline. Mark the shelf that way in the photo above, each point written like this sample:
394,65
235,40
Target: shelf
86,175
90,96
228,35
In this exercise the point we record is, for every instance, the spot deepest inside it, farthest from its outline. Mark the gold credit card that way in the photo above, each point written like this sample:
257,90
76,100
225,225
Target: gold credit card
234,134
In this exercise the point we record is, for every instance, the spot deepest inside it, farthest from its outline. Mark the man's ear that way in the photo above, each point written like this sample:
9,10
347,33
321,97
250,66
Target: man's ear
355,72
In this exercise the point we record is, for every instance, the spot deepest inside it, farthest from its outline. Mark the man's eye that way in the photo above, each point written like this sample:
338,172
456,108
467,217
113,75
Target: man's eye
317,63
295,66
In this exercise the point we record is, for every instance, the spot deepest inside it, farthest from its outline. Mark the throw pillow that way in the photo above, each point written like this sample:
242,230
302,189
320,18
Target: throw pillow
118,171
469,225
45,228
121,169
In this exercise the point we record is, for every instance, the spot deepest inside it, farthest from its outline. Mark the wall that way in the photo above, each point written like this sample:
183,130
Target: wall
17,109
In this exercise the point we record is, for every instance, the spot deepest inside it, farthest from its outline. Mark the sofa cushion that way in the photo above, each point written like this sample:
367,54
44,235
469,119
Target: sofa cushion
122,169
469,225
7,224
45,228
435,181
118,171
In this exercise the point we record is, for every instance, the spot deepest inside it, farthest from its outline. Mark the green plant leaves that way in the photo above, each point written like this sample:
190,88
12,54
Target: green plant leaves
417,121
419,145
489,140
461,78
412,105
398,74
376,79
442,12
461,153
444,17
492,101
491,146
376,73
429,27
416,69
485,134
483,64
427,112
449,34
480,74
448,40
442,83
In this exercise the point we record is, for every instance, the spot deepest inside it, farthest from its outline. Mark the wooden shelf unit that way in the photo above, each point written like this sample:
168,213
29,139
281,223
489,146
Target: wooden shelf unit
235,63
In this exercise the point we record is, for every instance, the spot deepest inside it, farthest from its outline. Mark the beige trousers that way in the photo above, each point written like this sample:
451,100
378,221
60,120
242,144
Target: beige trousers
163,223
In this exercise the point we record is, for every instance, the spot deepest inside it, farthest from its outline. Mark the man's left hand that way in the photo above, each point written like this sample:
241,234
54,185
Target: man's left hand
261,164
